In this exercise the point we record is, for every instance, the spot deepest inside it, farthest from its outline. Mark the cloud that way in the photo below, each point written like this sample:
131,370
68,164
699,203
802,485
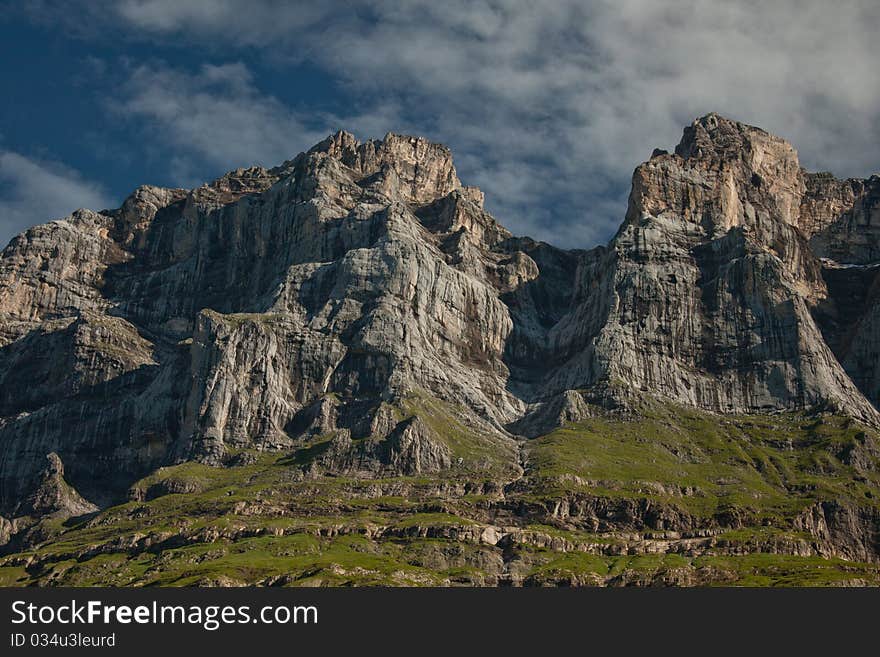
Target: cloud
547,106
34,192
214,116
241,22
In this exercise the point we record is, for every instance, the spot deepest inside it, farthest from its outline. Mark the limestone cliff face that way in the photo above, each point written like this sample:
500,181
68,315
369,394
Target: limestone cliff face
707,293
272,306
186,324
709,283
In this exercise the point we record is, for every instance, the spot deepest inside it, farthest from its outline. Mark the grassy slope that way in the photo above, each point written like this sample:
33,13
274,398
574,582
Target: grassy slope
265,523
773,465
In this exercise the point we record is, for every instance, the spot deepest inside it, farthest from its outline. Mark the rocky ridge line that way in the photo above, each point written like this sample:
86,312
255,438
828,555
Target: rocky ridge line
360,287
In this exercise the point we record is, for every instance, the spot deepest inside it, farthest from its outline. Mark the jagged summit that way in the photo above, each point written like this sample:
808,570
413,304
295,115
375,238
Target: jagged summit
325,295
424,168
715,137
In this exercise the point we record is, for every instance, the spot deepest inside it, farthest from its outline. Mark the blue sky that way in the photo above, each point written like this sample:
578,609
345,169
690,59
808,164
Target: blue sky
548,109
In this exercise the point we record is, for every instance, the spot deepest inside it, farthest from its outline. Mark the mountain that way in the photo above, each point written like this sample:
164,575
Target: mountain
344,370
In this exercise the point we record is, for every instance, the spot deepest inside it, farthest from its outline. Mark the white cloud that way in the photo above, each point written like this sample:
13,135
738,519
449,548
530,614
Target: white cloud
34,192
548,106
242,22
214,116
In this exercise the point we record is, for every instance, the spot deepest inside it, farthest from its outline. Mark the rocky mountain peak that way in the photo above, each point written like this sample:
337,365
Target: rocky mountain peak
422,170
360,285
349,343
714,137
734,175
342,145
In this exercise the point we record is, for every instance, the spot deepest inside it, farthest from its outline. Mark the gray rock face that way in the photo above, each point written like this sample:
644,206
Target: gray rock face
705,295
410,448
847,238
301,305
842,218
725,295
53,496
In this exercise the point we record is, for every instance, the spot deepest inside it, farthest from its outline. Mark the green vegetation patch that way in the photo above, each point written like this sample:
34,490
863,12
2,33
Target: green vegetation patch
740,484
770,466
